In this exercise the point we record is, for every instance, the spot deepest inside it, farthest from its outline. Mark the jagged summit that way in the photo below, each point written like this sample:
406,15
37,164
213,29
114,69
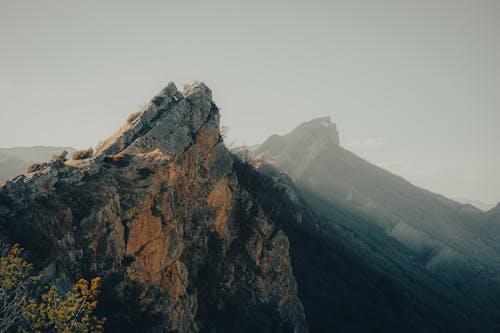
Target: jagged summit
325,122
168,122
301,145
188,238
160,214
317,131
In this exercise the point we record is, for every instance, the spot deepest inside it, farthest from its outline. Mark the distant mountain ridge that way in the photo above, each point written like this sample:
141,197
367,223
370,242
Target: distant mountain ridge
14,161
294,235
448,242
476,203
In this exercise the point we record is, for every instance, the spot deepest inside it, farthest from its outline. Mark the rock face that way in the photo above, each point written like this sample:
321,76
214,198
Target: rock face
14,161
159,214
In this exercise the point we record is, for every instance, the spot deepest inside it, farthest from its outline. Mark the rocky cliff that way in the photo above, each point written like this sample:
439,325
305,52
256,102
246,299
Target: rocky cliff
158,212
14,161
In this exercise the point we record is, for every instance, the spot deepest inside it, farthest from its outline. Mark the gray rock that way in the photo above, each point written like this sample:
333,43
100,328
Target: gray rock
155,207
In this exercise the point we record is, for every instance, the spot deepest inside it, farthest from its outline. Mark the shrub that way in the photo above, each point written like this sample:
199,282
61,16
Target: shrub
61,156
23,309
82,154
133,116
16,284
185,89
36,166
72,312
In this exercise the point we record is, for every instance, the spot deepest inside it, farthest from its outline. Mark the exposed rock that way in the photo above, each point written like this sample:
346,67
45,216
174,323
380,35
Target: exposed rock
15,161
158,212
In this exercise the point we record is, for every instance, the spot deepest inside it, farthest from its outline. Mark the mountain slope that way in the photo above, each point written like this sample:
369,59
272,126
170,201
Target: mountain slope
159,214
318,164
476,203
438,244
190,238
347,281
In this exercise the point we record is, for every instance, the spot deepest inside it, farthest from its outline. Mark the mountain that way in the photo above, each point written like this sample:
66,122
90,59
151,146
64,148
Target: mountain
159,213
15,161
428,223
295,235
476,203
438,253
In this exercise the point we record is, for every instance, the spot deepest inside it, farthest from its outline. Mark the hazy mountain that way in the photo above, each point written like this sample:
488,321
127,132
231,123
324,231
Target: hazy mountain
476,203
15,161
443,246
428,223
189,237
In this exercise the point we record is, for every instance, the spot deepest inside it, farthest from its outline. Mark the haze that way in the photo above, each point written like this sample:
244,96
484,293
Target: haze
412,85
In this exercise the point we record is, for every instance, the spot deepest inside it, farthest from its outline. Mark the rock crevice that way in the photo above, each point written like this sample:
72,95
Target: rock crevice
159,214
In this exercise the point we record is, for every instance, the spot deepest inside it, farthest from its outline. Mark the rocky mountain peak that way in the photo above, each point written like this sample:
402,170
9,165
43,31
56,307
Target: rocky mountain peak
304,143
317,131
160,214
169,122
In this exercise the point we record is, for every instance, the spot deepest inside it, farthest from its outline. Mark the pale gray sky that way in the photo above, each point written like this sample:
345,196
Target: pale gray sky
414,86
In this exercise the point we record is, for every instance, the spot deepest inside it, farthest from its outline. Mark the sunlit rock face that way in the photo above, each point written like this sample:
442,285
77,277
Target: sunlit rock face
159,214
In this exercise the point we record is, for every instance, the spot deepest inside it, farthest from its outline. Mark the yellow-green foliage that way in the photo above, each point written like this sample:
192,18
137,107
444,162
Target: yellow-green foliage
52,312
13,269
70,313
16,284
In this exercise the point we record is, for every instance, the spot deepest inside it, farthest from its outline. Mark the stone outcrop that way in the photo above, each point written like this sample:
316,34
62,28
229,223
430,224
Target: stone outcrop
159,214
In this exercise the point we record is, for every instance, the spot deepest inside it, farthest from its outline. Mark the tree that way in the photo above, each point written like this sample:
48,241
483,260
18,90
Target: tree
68,313
52,312
16,284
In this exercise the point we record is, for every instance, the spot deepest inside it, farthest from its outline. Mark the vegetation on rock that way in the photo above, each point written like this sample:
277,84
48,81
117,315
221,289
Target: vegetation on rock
36,166
61,156
82,154
16,284
133,116
24,308
72,312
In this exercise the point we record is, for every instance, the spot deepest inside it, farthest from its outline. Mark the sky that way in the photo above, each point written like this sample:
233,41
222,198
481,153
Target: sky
414,86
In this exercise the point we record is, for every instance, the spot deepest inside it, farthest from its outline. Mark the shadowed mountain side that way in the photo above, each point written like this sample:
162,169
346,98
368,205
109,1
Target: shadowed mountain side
354,280
426,222
436,237
191,238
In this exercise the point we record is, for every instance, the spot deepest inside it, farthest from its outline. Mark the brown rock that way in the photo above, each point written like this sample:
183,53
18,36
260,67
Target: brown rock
159,214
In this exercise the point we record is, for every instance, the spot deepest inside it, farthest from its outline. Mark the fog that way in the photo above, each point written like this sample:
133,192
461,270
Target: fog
412,85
